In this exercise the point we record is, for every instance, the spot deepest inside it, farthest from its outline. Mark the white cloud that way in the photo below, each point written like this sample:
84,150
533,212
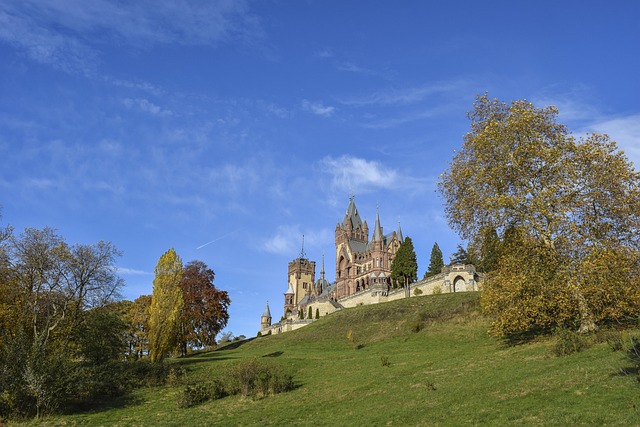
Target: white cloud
624,130
317,108
133,272
349,173
146,106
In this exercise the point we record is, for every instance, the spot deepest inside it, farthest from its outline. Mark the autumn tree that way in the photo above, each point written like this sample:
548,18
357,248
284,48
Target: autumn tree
205,310
166,306
137,314
573,207
51,286
436,262
404,268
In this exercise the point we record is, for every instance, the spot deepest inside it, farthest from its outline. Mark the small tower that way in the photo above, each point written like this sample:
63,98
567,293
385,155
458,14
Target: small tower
301,274
265,320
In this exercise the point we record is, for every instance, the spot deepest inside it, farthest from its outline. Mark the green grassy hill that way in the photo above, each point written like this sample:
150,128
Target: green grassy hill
422,361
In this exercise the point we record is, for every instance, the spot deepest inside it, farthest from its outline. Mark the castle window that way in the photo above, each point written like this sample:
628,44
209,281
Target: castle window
304,285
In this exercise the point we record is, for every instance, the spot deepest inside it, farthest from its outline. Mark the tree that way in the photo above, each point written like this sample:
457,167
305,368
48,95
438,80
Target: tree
435,262
404,268
166,306
204,313
461,256
102,335
572,204
51,285
310,313
137,315
317,313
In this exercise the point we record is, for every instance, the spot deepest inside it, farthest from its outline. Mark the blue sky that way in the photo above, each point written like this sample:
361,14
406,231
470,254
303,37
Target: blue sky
246,124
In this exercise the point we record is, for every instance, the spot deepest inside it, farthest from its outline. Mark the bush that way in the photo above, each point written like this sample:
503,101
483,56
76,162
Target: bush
614,340
417,291
437,290
256,378
193,395
569,341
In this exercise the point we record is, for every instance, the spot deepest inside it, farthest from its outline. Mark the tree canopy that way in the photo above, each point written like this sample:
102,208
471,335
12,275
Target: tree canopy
573,205
204,313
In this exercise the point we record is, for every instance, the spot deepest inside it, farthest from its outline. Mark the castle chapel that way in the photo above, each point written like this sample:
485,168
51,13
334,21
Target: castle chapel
361,264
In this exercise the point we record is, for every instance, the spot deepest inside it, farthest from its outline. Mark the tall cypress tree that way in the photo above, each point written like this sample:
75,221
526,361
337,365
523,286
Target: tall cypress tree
166,303
436,262
404,268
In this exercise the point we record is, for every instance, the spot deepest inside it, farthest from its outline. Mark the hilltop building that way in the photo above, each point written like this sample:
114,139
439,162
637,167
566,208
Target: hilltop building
363,275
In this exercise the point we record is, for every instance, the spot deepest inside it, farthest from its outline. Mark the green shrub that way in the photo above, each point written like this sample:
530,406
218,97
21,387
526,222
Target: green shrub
437,290
175,375
193,395
569,341
417,291
256,378
614,340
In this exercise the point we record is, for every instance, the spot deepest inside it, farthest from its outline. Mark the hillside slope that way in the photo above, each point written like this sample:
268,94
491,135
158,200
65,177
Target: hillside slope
421,361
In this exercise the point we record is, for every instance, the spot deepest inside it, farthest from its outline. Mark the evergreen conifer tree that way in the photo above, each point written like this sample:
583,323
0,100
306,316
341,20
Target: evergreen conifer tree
436,262
404,268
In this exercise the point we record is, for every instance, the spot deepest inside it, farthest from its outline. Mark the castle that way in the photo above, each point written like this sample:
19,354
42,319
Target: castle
363,276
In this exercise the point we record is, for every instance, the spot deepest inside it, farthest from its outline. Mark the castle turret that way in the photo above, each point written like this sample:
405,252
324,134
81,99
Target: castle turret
265,319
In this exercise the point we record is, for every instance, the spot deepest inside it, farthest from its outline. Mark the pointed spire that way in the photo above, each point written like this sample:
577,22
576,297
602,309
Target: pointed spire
302,254
352,217
400,238
322,272
377,231
267,312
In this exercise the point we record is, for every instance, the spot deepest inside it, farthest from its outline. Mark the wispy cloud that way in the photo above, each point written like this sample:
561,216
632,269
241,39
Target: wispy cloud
325,53
625,131
582,116
354,174
404,96
68,34
133,272
389,122
318,108
287,240
146,106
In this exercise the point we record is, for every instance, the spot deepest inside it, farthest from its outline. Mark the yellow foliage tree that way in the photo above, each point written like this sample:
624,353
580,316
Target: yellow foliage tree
166,304
573,204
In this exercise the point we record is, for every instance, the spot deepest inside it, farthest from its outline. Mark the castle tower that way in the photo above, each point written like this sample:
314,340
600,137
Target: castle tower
265,319
301,273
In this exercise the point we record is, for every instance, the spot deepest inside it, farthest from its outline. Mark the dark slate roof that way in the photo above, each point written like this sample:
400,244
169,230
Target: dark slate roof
358,247
352,215
267,312
377,231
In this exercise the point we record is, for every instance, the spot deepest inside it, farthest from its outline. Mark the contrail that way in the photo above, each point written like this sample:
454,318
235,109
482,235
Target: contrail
215,240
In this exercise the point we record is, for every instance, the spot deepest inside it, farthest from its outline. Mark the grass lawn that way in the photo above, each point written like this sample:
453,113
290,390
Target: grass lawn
421,361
